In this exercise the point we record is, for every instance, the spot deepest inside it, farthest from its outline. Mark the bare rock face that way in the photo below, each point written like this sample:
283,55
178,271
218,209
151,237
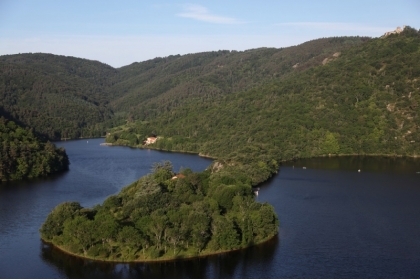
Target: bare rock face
396,31
329,59
217,166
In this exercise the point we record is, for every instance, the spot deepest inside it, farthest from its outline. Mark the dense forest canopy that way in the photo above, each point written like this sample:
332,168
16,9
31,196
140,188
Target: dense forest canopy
165,215
23,155
58,96
159,85
67,97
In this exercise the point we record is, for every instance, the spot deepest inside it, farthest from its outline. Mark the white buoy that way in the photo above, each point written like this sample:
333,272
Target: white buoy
358,170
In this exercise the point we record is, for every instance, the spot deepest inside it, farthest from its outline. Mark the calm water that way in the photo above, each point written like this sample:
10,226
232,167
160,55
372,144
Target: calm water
335,221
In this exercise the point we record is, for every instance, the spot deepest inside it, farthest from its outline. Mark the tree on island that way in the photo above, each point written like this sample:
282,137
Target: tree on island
163,217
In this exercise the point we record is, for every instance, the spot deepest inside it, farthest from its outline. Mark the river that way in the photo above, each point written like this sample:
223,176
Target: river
335,222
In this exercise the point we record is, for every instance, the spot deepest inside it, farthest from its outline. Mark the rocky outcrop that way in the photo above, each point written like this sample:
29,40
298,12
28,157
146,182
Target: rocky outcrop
329,59
396,31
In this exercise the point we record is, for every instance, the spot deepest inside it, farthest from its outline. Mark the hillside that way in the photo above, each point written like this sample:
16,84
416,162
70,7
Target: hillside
156,86
363,100
58,96
67,97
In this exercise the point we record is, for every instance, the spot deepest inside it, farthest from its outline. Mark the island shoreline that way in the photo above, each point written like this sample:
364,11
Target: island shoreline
173,259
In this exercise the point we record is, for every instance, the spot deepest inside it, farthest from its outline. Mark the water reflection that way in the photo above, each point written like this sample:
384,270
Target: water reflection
363,163
227,265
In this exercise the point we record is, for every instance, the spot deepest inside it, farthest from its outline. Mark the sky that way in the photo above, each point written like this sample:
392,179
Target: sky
119,33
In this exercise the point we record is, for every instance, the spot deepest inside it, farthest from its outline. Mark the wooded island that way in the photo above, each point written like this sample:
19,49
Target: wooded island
165,216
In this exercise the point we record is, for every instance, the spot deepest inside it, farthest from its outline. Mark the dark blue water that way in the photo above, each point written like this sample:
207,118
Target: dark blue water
335,221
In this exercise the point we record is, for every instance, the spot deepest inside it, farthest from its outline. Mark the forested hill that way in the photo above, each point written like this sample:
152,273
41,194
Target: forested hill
363,100
58,96
150,88
346,95
67,97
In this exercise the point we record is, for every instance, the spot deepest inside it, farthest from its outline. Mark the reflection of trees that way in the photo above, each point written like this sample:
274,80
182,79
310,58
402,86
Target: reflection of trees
365,163
74,267
234,264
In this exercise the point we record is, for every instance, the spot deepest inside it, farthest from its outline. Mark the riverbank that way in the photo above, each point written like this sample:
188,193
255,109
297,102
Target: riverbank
156,260
160,149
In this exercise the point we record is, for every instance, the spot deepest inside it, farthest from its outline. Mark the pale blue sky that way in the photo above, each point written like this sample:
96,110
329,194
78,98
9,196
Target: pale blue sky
122,32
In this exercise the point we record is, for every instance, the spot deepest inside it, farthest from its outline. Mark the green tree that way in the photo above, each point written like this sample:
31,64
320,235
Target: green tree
330,145
80,231
130,239
54,224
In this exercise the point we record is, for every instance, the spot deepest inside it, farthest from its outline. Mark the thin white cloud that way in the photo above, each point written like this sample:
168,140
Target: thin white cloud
201,13
336,26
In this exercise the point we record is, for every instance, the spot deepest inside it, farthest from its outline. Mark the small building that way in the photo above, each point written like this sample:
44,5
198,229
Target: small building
150,140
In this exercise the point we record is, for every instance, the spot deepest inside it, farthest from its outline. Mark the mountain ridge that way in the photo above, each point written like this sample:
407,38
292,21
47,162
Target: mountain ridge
81,98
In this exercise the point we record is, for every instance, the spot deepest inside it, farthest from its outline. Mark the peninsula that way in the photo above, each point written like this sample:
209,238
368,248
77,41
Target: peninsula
165,216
